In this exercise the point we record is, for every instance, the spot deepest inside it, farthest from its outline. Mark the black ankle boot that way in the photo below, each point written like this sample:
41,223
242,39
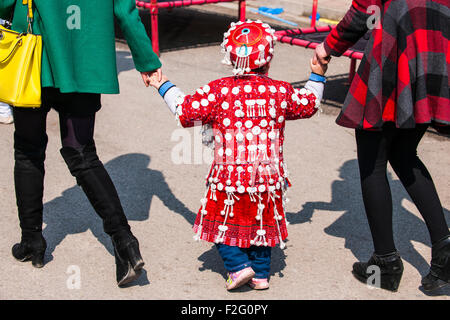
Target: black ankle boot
129,262
439,274
31,248
391,270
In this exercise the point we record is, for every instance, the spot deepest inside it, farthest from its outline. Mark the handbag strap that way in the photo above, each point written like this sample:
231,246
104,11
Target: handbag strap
30,15
30,8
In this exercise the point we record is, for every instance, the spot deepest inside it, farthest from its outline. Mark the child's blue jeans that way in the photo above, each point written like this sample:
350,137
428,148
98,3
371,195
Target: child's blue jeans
236,259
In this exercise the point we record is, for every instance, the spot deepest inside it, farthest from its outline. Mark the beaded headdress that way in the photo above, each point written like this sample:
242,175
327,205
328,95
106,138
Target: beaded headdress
248,45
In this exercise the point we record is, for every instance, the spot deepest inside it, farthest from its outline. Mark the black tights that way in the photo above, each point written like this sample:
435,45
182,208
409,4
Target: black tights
399,147
76,132
30,130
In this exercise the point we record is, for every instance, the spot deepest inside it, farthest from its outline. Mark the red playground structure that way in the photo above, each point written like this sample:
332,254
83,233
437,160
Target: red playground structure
155,5
311,37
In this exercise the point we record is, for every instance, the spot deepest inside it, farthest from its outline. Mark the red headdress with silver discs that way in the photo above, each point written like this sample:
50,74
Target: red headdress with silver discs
248,45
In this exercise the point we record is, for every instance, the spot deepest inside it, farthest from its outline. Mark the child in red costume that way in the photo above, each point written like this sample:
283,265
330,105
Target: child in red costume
242,210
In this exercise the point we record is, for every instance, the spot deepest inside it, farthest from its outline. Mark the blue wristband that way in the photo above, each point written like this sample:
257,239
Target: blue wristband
317,77
165,87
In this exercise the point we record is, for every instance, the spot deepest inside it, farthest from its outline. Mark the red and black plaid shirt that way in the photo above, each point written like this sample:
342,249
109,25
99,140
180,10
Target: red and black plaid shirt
403,77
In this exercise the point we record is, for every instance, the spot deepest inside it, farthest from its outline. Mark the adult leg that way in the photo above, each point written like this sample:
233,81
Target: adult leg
30,142
373,152
80,154
418,182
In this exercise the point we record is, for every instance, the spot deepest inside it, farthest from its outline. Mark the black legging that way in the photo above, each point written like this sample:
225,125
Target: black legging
399,147
30,129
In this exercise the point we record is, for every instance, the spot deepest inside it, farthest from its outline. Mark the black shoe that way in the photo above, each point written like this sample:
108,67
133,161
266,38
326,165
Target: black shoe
390,268
439,274
31,249
129,262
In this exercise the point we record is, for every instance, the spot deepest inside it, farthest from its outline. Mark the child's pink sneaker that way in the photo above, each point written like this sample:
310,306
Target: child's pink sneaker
259,284
239,278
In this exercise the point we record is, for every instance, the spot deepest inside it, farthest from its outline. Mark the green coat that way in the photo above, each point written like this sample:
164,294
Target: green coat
79,41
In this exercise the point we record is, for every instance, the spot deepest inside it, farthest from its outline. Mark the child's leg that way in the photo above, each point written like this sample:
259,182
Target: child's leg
238,265
234,258
260,258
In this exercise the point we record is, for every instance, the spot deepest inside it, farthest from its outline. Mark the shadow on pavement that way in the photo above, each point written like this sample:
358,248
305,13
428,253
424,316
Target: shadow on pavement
353,227
136,184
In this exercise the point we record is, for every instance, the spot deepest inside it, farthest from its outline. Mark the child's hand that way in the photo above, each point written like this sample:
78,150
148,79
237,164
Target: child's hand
321,55
148,76
155,82
317,67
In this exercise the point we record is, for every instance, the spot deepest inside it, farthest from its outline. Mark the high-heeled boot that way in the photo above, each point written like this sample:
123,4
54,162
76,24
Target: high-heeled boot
31,247
29,185
390,267
96,183
439,274
129,262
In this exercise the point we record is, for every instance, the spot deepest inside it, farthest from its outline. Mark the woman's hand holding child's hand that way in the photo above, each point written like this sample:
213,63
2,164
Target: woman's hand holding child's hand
321,55
317,67
150,76
157,82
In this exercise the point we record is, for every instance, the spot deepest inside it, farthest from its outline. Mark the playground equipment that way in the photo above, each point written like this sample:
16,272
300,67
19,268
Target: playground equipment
155,5
311,37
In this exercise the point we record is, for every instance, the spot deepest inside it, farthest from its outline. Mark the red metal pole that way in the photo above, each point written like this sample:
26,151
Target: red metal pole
312,45
242,13
314,13
291,32
154,25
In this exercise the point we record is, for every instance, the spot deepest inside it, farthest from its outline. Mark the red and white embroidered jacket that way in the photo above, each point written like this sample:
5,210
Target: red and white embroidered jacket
247,114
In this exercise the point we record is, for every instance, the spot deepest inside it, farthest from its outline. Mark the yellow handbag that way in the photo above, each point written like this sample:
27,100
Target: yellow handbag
20,65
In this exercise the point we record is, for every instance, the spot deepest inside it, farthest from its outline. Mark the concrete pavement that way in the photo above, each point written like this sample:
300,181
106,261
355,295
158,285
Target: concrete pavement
328,230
